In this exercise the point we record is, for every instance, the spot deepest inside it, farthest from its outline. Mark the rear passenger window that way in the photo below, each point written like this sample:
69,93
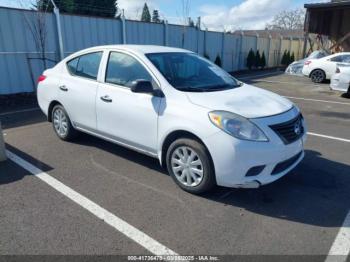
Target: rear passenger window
86,65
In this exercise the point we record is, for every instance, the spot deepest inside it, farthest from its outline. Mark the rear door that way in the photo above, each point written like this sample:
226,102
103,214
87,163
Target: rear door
78,88
331,65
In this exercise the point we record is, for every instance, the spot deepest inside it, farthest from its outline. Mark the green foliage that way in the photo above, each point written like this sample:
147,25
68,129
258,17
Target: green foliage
284,60
103,8
263,60
257,59
292,58
155,16
218,61
146,16
191,22
250,59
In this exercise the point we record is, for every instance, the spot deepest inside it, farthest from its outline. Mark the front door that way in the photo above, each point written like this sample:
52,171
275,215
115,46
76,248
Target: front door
130,118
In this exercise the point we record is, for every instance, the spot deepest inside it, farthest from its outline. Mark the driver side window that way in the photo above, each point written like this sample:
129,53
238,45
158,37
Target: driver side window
123,69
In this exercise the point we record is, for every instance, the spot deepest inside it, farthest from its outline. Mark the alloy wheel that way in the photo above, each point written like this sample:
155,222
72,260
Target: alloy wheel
60,122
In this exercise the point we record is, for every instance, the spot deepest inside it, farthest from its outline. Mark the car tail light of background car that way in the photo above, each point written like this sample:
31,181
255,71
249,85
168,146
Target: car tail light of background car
307,62
41,78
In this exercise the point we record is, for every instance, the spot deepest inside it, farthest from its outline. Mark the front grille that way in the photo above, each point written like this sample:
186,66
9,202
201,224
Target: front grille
289,131
280,167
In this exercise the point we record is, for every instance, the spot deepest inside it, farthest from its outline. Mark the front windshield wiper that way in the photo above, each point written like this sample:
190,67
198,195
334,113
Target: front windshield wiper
191,89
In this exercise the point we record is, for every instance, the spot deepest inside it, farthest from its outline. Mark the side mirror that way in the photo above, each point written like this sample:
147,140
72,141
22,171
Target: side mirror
141,86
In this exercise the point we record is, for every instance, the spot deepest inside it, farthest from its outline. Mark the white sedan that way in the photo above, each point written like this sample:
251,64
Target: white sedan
341,80
324,68
203,125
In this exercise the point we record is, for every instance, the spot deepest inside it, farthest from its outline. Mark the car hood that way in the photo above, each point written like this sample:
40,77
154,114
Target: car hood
247,101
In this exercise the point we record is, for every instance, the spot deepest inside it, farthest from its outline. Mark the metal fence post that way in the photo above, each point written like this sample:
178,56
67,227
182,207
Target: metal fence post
280,53
198,32
205,41
268,51
123,28
240,52
165,32
56,12
223,49
256,41
2,146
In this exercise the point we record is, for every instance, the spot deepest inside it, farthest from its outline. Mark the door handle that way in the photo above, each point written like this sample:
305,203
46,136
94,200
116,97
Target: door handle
106,98
64,88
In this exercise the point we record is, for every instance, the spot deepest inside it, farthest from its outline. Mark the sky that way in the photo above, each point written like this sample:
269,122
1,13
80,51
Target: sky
215,14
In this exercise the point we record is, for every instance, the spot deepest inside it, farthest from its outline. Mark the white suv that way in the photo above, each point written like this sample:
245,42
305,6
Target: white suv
206,127
324,68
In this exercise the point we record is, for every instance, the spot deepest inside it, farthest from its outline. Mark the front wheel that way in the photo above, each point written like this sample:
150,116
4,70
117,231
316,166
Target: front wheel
189,165
61,124
318,76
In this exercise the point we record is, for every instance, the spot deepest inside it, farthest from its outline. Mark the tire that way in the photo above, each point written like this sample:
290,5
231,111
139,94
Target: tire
318,76
61,124
200,168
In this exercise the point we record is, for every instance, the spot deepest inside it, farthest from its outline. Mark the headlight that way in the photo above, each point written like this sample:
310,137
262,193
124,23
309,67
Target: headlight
237,126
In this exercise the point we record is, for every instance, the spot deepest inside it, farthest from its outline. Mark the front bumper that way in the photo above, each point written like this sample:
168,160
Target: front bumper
233,158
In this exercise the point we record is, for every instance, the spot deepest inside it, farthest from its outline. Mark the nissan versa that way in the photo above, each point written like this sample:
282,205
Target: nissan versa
204,126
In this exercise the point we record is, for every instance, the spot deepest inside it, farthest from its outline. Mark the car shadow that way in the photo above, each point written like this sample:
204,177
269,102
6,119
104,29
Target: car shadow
22,119
120,151
10,172
317,192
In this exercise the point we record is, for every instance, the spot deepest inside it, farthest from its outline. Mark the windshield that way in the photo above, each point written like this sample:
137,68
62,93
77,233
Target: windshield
317,54
190,72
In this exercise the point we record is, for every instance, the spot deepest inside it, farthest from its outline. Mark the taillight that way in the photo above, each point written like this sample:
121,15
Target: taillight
41,78
337,70
307,62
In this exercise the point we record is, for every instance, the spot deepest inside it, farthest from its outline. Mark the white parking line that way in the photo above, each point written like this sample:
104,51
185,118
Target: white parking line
341,244
117,223
20,111
317,100
329,137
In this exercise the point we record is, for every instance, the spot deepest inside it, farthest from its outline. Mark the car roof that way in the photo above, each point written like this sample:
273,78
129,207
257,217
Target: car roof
144,49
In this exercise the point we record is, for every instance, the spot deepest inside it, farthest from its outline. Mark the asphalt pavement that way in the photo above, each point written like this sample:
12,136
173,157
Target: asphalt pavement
300,214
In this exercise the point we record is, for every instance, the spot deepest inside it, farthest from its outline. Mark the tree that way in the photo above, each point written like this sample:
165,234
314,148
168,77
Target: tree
218,60
38,29
146,16
257,59
155,16
263,60
286,58
292,58
191,22
288,20
250,59
103,8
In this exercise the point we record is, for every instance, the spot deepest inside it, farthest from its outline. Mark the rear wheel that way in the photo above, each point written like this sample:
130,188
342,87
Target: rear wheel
189,165
61,124
318,76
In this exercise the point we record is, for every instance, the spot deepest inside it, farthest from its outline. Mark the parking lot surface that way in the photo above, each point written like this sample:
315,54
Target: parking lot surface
300,214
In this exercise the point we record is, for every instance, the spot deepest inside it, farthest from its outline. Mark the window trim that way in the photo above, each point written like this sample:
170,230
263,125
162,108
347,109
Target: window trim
147,68
80,55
